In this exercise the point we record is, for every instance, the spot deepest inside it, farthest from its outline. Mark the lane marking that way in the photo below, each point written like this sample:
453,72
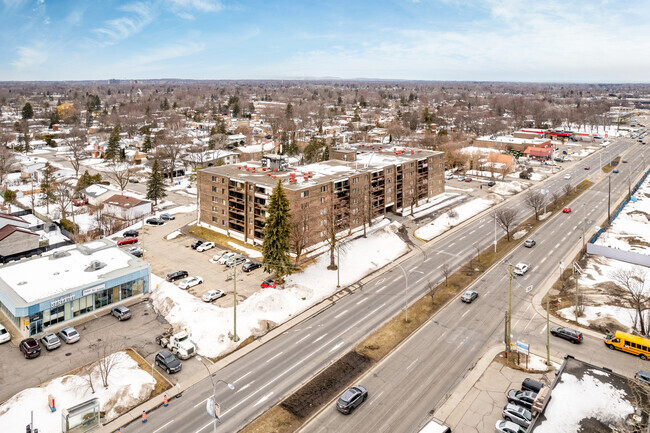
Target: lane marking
340,314
263,399
160,428
244,387
236,380
273,357
336,347
379,290
557,245
543,260
411,364
303,338
362,300
375,398
319,338
452,244
465,313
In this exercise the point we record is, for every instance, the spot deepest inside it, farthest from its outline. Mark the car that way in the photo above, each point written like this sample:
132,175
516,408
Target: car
468,179
268,284
155,222
469,296
568,334
567,176
615,170
251,266
520,269
211,295
624,161
524,399
237,260
196,244
133,180
69,335
51,341
529,384
135,251
587,167
491,183
30,348
167,217
517,414
529,243
205,246
508,427
130,234
461,178
121,312
351,399
127,241
642,376
5,336
176,275
190,282
225,257
566,210
168,362
449,176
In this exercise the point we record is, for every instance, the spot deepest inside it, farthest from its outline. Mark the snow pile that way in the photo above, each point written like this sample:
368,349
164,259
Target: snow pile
249,252
537,363
173,235
577,399
182,209
600,313
508,188
520,234
210,325
128,386
444,222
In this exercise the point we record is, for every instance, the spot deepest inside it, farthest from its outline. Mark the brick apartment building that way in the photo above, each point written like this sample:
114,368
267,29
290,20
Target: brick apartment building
357,184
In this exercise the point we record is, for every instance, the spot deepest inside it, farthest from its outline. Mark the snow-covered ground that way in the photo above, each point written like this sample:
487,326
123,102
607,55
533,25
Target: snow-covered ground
248,251
128,386
210,325
509,188
444,222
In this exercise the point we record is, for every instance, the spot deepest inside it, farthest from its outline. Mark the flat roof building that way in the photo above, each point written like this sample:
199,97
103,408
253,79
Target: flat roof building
510,143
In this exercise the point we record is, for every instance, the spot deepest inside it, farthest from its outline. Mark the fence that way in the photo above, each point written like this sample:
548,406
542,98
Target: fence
616,254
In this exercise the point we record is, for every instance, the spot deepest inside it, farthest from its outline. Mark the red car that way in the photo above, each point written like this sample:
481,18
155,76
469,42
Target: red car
566,210
127,241
587,167
268,283
468,179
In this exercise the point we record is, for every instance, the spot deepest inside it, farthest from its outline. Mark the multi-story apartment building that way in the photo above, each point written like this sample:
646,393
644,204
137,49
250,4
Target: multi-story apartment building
358,184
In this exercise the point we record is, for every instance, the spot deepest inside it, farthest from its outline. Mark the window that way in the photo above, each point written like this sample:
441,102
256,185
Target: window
214,198
223,222
223,211
215,219
214,178
214,188
54,316
389,171
223,190
223,202
103,298
355,180
304,194
323,188
223,180
126,290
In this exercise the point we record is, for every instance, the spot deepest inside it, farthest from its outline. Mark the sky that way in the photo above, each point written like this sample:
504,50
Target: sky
460,40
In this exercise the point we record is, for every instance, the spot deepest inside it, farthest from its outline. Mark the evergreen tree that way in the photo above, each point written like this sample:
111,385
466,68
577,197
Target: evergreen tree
28,112
48,186
156,185
146,146
164,105
86,179
113,147
277,232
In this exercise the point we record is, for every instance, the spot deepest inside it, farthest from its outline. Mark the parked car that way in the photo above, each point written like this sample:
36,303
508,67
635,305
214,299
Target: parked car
624,161
50,341
469,296
517,414
205,246
79,201
566,210
461,178
251,266
167,217
351,399
30,348
176,275
567,176
587,167
121,312
69,335
615,170
224,258
5,336
155,222
468,179
642,376
127,241
531,385
522,398
168,362
190,282
130,233
491,183
237,260
135,251
211,295
567,333
520,269
133,180
268,283
449,176
196,244
508,427
529,243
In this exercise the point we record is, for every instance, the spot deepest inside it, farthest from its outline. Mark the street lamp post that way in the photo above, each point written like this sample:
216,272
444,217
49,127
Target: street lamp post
234,310
214,393
338,265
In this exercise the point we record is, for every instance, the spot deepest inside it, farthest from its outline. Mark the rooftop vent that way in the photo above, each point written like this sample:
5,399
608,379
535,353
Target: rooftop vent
94,266
59,255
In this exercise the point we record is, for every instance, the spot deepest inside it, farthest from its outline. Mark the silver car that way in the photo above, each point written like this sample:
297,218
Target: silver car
121,312
50,341
69,335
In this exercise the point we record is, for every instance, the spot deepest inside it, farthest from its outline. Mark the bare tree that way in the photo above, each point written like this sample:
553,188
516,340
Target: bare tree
300,233
446,271
633,280
506,218
170,153
62,197
106,363
555,196
431,289
333,225
119,172
536,201
7,160
452,213
567,188
77,146
86,374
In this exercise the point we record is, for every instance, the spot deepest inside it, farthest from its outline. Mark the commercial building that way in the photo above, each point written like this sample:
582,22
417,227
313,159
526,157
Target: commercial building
358,184
42,292
510,143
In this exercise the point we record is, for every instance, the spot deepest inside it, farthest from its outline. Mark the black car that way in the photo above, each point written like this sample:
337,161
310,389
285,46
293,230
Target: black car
491,183
351,399
130,234
168,362
155,222
30,348
567,333
531,385
176,275
251,266
522,398
196,244
167,216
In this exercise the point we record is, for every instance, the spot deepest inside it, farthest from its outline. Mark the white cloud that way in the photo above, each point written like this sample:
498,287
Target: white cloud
29,58
121,28
151,60
199,5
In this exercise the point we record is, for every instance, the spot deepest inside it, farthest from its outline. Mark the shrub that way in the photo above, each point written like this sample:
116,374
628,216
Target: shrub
69,226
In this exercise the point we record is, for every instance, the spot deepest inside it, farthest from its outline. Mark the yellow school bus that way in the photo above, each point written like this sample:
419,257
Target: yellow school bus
629,343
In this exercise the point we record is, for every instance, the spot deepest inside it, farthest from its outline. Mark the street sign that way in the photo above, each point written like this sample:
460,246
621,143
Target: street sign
213,408
523,347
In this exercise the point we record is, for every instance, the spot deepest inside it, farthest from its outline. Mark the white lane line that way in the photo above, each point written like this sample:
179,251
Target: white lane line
201,402
543,260
462,238
160,428
529,322
244,387
396,279
340,314
411,364
452,244
564,239
379,290
465,313
363,300
336,347
375,398
472,232
273,357
369,314
543,330
263,399
557,245
319,338
303,338
204,427
552,231
238,379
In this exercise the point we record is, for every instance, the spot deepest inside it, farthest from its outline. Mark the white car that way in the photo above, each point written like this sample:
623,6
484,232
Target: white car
225,258
567,176
190,282
5,336
205,246
211,295
521,269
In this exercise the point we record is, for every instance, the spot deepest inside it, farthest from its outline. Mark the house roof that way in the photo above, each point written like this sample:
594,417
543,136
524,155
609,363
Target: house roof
538,151
500,158
8,230
125,201
12,218
95,190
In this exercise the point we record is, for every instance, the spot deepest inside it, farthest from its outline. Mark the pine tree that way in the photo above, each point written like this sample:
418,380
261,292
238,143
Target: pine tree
156,185
28,112
146,146
277,232
113,147
48,186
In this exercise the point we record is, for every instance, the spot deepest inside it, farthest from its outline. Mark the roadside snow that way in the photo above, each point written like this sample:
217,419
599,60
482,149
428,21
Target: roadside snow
444,222
249,252
538,363
592,314
173,235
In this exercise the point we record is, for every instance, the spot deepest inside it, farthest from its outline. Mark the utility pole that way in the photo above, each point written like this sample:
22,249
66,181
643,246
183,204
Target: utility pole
495,232
338,265
506,339
141,240
234,283
509,314
609,198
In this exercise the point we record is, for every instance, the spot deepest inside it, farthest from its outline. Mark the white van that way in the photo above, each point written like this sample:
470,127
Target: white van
435,426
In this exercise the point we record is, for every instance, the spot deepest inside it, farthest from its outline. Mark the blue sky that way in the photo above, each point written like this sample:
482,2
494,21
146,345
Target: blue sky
492,40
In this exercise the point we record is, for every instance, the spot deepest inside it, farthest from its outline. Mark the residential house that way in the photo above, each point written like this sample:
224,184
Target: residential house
14,240
127,208
7,219
96,194
539,153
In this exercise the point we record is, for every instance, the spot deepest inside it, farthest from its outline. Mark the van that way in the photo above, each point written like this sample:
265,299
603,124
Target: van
435,426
